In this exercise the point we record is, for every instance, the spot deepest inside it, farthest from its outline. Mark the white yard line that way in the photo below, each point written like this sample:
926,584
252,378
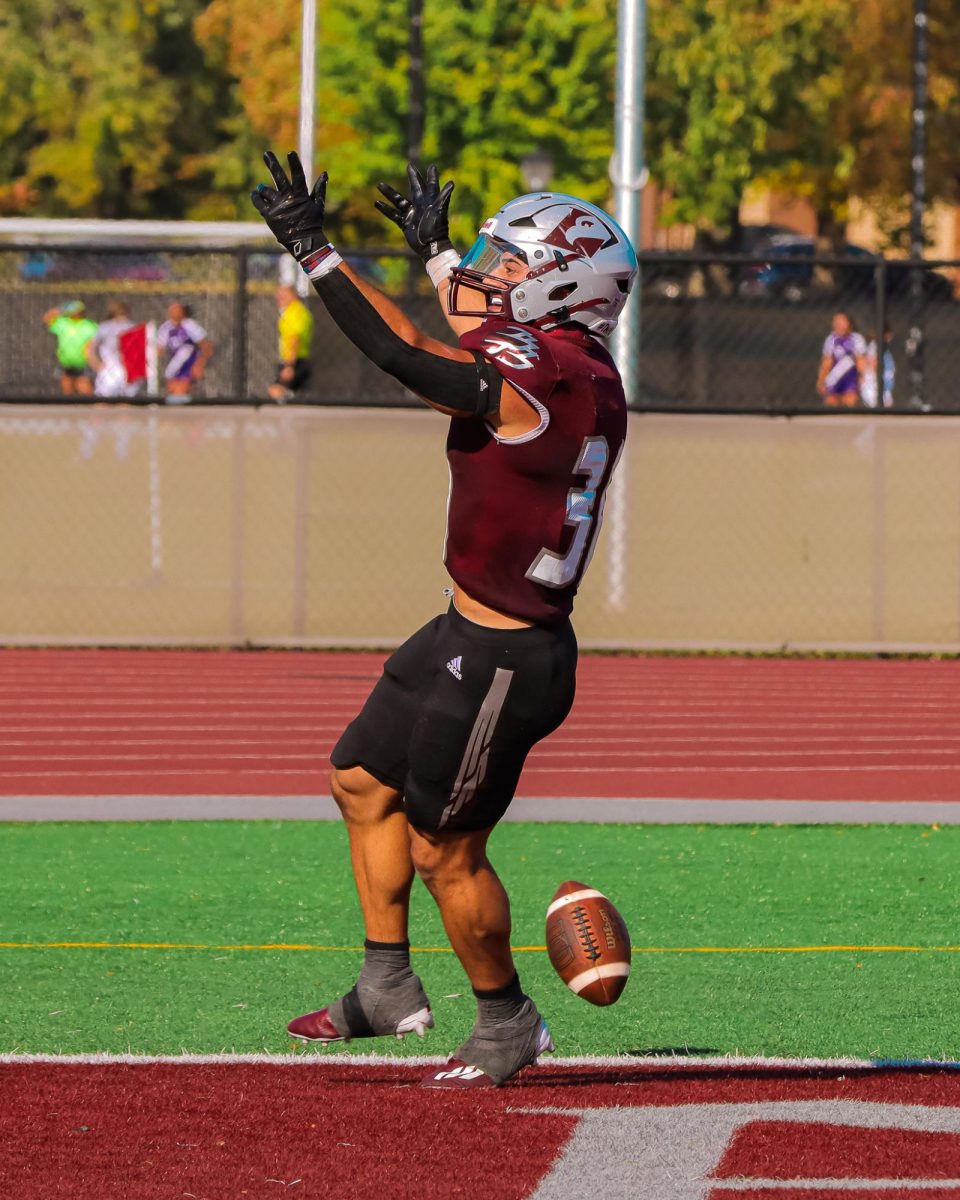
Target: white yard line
313,1058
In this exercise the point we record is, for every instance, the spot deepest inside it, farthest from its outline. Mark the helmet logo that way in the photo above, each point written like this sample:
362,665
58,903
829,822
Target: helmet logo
582,233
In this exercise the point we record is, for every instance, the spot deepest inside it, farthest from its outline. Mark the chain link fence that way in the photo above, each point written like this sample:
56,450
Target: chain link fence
715,334
724,334
740,518
300,526
231,293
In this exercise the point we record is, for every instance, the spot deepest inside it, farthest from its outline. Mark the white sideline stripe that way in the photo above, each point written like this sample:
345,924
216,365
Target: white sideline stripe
315,1058
604,971
754,1184
589,810
575,898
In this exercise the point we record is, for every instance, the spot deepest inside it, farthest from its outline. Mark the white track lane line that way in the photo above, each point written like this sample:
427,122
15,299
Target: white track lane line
283,752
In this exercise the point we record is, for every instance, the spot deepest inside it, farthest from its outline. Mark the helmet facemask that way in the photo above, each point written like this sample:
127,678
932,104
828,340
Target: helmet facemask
491,267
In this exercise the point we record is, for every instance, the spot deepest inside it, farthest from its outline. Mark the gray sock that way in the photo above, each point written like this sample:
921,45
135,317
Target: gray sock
499,1004
386,994
503,1048
384,963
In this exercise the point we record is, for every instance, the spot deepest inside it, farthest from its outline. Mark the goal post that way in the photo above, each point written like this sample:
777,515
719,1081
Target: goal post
80,231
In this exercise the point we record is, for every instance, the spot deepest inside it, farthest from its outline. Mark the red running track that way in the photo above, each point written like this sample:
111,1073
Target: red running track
118,722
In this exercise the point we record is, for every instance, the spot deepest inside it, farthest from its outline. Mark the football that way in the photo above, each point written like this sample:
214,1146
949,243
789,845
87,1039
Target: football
588,943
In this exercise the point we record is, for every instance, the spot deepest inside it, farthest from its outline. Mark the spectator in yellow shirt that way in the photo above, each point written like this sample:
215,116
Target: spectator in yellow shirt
295,327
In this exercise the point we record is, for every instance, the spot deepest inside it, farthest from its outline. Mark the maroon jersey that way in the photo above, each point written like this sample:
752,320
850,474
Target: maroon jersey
524,512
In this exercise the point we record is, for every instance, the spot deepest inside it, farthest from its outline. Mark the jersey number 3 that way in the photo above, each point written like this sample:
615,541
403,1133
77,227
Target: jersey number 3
584,513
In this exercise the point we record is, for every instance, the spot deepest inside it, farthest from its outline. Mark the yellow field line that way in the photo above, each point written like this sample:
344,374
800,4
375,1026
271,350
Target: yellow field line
793,949
171,946
447,950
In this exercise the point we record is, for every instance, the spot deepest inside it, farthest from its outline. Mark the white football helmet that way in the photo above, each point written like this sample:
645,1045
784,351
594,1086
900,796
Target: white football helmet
546,259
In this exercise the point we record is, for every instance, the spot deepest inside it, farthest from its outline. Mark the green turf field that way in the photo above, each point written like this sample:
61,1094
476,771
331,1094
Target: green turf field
707,907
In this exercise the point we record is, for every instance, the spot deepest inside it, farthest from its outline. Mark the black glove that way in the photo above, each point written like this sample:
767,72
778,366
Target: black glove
423,218
295,216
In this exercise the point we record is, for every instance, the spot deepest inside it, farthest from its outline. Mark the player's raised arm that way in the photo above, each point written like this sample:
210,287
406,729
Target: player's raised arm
455,381
423,218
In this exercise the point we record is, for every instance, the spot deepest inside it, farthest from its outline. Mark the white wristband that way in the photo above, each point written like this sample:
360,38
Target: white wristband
440,266
321,262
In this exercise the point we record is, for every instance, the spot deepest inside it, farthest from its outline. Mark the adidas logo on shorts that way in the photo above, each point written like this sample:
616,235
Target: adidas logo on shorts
454,666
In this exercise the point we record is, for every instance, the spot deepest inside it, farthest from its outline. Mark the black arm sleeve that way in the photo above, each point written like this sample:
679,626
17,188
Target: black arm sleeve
469,388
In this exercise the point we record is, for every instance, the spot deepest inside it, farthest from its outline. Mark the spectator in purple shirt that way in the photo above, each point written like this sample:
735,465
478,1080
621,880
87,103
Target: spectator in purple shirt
188,351
842,364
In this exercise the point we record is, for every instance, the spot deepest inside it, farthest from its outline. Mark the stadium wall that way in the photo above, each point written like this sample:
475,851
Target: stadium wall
323,527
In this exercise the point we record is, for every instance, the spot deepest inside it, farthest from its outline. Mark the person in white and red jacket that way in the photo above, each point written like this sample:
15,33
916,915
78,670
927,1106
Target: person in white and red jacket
117,354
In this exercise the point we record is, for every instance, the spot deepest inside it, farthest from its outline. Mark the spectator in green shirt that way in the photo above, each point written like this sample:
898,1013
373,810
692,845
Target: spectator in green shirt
73,331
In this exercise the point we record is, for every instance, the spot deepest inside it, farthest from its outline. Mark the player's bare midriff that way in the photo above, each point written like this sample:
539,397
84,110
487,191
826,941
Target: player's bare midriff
482,614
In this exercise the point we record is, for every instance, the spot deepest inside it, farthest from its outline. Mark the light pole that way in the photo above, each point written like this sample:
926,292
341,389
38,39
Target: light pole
537,170
415,111
415,108
308,105
918,163
628,173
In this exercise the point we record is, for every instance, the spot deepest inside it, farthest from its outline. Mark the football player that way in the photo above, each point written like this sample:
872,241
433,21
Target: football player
538,419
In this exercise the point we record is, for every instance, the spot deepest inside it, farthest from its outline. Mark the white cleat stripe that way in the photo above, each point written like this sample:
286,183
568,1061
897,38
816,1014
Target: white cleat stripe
418,1023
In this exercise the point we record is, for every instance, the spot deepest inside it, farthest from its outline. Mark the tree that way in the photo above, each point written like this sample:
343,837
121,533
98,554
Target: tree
880,146
840,125
503,78
257,48
103,106
732,87
163,107
21,55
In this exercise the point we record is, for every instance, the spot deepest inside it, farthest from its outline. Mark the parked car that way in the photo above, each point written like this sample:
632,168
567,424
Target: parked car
43,266
665,274
791,274
146,268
